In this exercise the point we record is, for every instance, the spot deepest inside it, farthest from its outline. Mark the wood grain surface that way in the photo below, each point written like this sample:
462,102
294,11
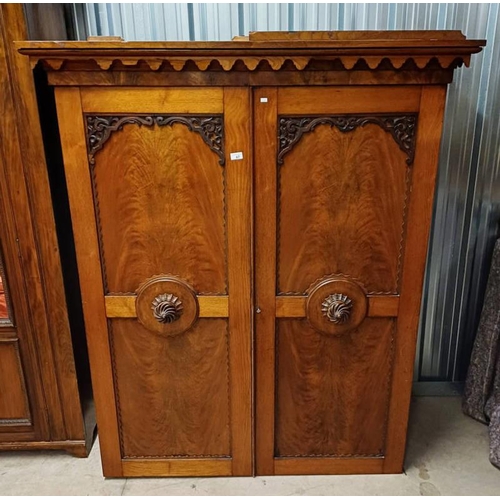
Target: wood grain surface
78,178
123,306
294,306
238,126
172,392
266,145
160,198
186,405
318,78
155,100
429,131
178,467
348,99
326,465
13,396
332,392
341,206
30,252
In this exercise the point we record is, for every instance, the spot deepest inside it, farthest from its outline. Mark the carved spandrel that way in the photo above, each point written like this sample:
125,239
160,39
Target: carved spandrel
210,128
401,127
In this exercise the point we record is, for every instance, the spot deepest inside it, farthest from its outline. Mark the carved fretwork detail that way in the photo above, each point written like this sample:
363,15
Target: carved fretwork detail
210,128
402,128
99,129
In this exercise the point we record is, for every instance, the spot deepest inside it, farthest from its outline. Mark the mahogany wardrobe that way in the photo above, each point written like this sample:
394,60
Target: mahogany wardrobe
251,222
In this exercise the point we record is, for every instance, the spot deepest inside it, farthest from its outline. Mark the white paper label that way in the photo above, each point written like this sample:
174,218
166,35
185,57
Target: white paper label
236,156
263,99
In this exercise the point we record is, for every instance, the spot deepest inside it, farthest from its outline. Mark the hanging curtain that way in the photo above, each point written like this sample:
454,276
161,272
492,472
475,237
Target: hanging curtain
482,387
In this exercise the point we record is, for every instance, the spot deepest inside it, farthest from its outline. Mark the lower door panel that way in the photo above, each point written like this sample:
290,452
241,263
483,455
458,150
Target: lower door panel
332,393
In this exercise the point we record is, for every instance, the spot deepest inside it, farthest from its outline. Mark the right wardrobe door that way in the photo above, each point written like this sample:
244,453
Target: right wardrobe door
344,183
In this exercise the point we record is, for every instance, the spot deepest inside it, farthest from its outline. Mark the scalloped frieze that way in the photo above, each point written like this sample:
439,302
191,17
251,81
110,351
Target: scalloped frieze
252,63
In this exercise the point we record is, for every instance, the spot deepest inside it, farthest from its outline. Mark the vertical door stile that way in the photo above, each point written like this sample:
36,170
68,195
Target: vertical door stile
430,124
265,147
70,115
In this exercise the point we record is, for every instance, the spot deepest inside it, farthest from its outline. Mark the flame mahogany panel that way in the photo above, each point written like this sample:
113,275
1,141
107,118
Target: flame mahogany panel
159,196
172,392
332,391
341,211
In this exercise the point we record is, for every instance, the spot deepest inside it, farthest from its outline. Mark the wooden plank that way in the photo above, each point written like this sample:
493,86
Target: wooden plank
312,465
379,306
265,131
263,36
152,100
383,306
18,236
72,129
243,78
392,40
338,100
430,125
177,467
123,306
238,120
14,404
213,307
74,447
46,298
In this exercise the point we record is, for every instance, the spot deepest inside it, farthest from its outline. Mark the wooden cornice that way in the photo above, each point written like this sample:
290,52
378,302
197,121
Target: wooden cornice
271,51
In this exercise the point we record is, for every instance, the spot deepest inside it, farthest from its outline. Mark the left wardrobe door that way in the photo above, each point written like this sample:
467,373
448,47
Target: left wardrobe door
162,220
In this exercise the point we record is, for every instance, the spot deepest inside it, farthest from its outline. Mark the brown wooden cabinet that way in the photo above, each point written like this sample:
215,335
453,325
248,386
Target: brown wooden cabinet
42,403
251,223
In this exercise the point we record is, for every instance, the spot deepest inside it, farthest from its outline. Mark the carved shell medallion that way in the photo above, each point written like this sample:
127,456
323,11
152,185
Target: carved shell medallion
167,308
337,308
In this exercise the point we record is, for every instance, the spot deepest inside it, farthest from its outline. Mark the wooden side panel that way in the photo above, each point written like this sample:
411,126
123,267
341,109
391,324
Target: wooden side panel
429,131
19,246
172,392
14,407
161,208
56,407
76,165
332,391
341,209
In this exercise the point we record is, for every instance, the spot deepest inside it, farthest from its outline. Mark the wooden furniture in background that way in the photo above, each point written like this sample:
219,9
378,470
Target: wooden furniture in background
40,400
280,185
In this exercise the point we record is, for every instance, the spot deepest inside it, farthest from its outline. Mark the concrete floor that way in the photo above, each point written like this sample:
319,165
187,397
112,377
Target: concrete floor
447,455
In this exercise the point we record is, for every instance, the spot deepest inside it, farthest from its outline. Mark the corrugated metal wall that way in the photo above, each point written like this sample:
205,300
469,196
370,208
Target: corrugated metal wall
467,205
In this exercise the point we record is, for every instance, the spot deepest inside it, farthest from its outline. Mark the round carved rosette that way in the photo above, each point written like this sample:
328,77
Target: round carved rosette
336,305
166,304
167,308
337,308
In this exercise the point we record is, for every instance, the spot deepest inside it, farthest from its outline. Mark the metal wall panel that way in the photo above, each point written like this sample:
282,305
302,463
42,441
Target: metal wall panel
467,206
